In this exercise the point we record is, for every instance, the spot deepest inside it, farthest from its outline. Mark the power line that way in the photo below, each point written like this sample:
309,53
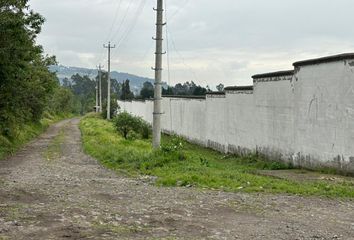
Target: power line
182,6
135,19
168,66
114,20
123,20
182,58
132,25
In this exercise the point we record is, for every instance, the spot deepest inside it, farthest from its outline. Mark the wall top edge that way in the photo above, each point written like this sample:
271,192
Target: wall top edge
274,74
215,93
185,97
136,100
239,88
333,58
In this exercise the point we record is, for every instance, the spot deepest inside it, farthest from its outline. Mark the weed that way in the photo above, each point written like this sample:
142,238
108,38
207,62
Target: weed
179,163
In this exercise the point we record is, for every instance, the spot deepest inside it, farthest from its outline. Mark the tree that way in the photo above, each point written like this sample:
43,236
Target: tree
126,93
84,90
220,87
187,88
26,85
147,91
168,91
126,123
199,91
114,106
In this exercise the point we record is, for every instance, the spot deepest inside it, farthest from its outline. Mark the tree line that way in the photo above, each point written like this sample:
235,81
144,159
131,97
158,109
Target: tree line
27,88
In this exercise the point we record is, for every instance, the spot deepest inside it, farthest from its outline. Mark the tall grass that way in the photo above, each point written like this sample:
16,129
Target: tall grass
27,132
179,163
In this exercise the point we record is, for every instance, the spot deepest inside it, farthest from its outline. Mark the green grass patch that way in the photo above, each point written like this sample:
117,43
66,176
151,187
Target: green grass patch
26,133
54,149
180,163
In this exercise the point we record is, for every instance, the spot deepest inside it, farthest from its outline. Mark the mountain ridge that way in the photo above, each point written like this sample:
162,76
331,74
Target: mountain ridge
136,82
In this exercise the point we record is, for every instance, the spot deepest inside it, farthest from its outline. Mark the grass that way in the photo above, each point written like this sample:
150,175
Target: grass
54,149
180,163
27,133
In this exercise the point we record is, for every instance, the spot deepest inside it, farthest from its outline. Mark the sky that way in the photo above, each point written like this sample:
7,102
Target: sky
208,42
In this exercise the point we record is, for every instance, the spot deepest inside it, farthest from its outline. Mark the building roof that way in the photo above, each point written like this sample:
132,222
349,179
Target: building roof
239,88
274,74
328,59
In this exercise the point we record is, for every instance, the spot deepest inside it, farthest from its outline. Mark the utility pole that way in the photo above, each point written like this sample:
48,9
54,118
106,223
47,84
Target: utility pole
100,85
97,107
158,74
109,47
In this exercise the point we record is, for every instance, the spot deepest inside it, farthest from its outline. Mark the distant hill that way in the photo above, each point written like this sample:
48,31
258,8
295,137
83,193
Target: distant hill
136,82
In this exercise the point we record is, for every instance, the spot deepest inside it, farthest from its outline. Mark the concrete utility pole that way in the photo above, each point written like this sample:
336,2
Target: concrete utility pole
97,107
158,71
100,85
109,47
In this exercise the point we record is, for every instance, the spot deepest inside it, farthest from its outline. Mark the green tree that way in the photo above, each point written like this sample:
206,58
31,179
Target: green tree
126,93
126,123
167,91
84,90
25,81
147,91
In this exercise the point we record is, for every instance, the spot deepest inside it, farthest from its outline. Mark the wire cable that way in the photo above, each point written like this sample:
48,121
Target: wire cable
175,13
123,20
114,20
182,59
133,23
168,64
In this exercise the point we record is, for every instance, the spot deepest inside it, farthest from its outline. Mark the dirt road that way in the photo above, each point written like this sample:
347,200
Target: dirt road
52,190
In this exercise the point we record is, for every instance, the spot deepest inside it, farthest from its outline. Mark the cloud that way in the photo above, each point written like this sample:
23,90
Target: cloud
210,42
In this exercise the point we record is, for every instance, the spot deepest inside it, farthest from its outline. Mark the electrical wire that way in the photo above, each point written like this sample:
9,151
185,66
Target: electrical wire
133,23
175,13
168,64
114,20
182,59
123,20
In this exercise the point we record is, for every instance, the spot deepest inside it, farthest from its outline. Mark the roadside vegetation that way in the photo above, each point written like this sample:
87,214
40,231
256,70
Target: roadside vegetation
179,163
31,96
28,132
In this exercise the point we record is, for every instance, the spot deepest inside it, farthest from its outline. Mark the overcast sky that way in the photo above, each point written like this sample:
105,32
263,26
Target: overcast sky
210,42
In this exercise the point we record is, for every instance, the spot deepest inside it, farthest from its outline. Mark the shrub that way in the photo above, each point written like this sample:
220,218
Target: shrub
131,127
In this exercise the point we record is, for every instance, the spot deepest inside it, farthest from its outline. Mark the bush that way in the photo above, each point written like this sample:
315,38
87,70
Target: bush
131,127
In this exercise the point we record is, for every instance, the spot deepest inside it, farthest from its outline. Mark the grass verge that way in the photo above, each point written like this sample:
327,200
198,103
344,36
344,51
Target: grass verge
179,163
27,133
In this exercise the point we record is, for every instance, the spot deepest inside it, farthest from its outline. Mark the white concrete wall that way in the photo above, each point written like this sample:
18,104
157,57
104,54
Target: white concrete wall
185,117
307,118
215,131
274,109
240,112
324,115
